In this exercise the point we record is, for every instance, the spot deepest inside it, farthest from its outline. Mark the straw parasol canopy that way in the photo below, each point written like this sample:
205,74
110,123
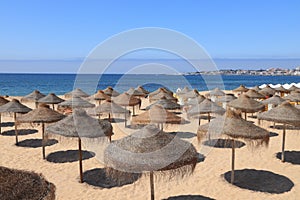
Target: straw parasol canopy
191,94
183,91
111,92
195,100
256,88
215,92
142,89
285,113
226,98
166,104
100,96
34,96
77,92
246,105
161,90
136,93
43,114
281,89
162,95
274,100
76,102
150,150
232,125
3,101
294,96
51,99
81,126
241,89
157,115
14,106
293,88
109,108
267,91
127,100
254,95
20,184
205,107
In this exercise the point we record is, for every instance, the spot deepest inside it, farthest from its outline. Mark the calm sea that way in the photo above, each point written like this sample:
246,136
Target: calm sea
22,84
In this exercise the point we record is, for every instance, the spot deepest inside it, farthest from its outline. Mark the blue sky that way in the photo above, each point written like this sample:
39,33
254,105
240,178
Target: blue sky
69,30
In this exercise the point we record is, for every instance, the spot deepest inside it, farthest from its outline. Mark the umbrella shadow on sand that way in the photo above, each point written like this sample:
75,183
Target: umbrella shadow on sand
36,143
273,134
292,157
189,197
260,181
7,124
97,177
223,143
288,127
20,132
68,156
200,158
183,135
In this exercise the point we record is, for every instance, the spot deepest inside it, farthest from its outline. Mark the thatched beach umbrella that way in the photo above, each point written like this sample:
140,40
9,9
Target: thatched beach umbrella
77,92
281,90
150,150
232,125
254,95
34,96
294,96
136,93
274,100
127,100
293,88
267,91
256,88
166,104
285,113
76,102
81,126
240,89
246,105
100,96
157,115
183,91
215,93
162,95
14,106
50,99
225,99
110,108
111,92
142,89
19,184
2,102
43,114
196,100
191,94
205,107
161,90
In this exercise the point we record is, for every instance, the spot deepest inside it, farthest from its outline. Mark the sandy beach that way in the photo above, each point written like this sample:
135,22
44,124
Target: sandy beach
207,180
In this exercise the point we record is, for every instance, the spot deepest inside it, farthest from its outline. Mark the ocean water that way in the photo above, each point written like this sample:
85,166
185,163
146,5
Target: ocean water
22,84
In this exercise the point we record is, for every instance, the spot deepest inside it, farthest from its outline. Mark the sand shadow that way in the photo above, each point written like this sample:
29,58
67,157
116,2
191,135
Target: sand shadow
7,124
292,157
136,126
287,127
201,157
20,132
116,120
223,143
272,134
68,156
260,181
36,143
189,197
183,134
97,177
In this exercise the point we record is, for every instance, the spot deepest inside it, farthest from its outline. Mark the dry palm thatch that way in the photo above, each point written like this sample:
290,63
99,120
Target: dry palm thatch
281,89
143,90
166,104
162,95
100,96
226,98
51,99
293,88
161,90
14,107
246,105
157,115
150,150
127,100
19,184
294,96
34,96
43,114
215,92
77,92
183,91
254,95
232,125
196,100
3,101
241,89
267,91
111,92
81,126
136,93
285,113
76,102
191,94
256,88
274,100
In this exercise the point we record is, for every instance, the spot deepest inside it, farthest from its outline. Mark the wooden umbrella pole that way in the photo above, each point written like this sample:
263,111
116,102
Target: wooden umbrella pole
133,111
246,116
36,104
0,124
152,185
109,118
208,117
80,160
232,161
125,118
43,140
199,120
16,130
53,106
283,144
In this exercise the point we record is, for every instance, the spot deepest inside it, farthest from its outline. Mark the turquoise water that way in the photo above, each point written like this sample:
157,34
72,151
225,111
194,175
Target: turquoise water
22,84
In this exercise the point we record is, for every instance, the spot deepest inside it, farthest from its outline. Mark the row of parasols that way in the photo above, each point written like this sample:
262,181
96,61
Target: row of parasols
149,139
